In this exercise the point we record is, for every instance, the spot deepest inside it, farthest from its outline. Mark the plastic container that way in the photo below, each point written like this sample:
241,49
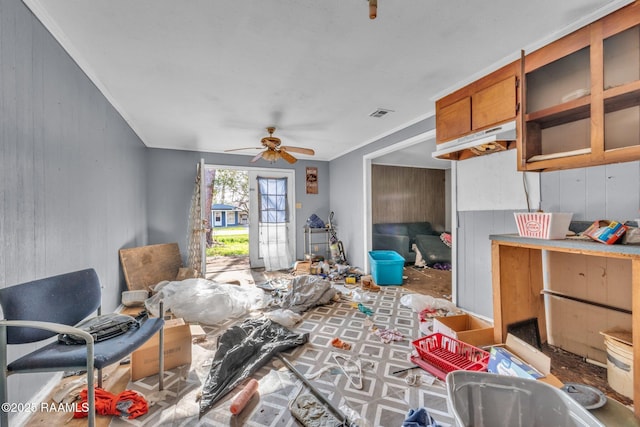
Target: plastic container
543,225
386,267
619,366
447,354
485,399
134,298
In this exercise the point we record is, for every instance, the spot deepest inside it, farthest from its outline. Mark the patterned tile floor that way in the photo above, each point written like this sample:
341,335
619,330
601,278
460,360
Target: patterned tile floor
383,400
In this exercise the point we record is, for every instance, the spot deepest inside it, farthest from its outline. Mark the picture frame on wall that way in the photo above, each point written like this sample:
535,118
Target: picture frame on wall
312,180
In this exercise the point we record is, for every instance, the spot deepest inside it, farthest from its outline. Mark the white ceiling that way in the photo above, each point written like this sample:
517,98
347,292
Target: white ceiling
210,75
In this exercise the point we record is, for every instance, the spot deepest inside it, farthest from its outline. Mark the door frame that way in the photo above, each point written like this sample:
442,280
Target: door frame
367,223
291,190
255,261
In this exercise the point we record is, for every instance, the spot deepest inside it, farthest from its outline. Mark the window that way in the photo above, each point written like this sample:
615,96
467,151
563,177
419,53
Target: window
272,197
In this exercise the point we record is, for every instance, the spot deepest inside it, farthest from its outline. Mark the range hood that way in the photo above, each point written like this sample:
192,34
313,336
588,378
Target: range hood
503,132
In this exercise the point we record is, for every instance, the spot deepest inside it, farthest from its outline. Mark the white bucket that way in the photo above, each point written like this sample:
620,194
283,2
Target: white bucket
619,366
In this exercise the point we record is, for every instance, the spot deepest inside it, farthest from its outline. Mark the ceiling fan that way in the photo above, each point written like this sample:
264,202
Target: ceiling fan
274,151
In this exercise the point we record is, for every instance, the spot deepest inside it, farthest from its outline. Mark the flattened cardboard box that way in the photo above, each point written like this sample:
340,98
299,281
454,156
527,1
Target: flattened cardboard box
530,356
605,231
177,350
465,328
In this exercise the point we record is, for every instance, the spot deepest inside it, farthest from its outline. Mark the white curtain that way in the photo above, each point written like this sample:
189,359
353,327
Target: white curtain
273,223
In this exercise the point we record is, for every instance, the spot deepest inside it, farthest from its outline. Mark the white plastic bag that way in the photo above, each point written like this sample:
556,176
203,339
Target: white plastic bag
204,301
419,302
286,318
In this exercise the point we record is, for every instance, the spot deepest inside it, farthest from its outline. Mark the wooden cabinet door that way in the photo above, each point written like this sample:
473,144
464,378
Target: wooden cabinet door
453,120
494,104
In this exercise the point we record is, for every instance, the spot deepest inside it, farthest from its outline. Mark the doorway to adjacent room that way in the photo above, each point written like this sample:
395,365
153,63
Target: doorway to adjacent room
249,218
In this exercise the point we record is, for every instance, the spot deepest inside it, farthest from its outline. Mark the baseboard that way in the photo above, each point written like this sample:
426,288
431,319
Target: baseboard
22,418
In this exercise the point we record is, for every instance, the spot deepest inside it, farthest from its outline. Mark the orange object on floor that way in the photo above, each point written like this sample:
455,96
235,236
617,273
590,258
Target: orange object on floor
338,343
368,285
128,403
244,396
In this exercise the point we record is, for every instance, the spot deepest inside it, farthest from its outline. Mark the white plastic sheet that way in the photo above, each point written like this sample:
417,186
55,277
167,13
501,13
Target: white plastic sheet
284,317
420,302
204,301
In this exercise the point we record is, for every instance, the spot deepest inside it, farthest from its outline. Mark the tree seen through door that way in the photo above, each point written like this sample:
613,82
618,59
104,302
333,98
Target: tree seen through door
228,192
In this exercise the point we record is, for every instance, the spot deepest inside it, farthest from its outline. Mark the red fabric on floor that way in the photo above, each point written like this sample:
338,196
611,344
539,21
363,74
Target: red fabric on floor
128,403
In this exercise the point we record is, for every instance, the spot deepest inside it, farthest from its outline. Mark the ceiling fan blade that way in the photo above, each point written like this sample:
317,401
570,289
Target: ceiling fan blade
300,150
288,157
245,148
255,159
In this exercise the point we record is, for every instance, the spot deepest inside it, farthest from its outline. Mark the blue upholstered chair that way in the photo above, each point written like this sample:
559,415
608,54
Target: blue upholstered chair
41,309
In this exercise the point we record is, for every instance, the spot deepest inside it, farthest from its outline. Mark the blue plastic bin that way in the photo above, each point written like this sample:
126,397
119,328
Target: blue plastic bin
386,267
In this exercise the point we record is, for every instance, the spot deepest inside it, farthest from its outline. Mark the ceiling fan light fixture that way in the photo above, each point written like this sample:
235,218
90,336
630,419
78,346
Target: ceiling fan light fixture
270,156
273,151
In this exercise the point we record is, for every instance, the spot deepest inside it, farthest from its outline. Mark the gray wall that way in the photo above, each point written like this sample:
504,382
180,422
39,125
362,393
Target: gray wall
600,192
170,185
347,188
72,173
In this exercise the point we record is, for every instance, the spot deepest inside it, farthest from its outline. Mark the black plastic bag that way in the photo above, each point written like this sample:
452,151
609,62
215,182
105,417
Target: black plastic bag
101,328
242,350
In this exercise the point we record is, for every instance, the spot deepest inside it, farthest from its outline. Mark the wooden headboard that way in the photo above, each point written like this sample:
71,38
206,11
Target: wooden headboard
146,266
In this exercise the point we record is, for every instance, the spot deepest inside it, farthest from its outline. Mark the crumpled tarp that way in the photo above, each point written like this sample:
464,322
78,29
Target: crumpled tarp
307,291
242,350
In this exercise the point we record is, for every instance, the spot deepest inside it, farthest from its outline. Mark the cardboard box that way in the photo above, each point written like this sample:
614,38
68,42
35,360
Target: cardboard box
197,333
604,231
503,362
518,359
466,328
177,350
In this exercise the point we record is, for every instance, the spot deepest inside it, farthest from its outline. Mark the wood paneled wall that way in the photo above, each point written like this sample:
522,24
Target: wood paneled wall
401,194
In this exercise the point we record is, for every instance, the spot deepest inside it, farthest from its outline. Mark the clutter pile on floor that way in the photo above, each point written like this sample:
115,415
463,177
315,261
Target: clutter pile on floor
274,314
359,354
354,352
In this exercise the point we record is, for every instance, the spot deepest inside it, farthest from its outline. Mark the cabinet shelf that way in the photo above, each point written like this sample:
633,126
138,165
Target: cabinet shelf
621,97
570,111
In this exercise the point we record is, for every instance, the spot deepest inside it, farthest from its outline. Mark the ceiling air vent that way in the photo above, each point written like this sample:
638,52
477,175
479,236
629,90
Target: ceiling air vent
380,112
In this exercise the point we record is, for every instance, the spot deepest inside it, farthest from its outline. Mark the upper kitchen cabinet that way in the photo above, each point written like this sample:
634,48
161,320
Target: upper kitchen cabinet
453,120
475,112
582,97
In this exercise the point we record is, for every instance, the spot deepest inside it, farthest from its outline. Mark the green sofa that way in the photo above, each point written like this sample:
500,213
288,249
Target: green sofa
400,237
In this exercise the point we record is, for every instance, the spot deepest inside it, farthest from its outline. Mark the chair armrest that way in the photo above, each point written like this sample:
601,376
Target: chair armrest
53,327
60,329
50,326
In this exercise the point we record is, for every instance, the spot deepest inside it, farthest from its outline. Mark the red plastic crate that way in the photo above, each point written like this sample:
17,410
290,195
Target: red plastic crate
449,354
